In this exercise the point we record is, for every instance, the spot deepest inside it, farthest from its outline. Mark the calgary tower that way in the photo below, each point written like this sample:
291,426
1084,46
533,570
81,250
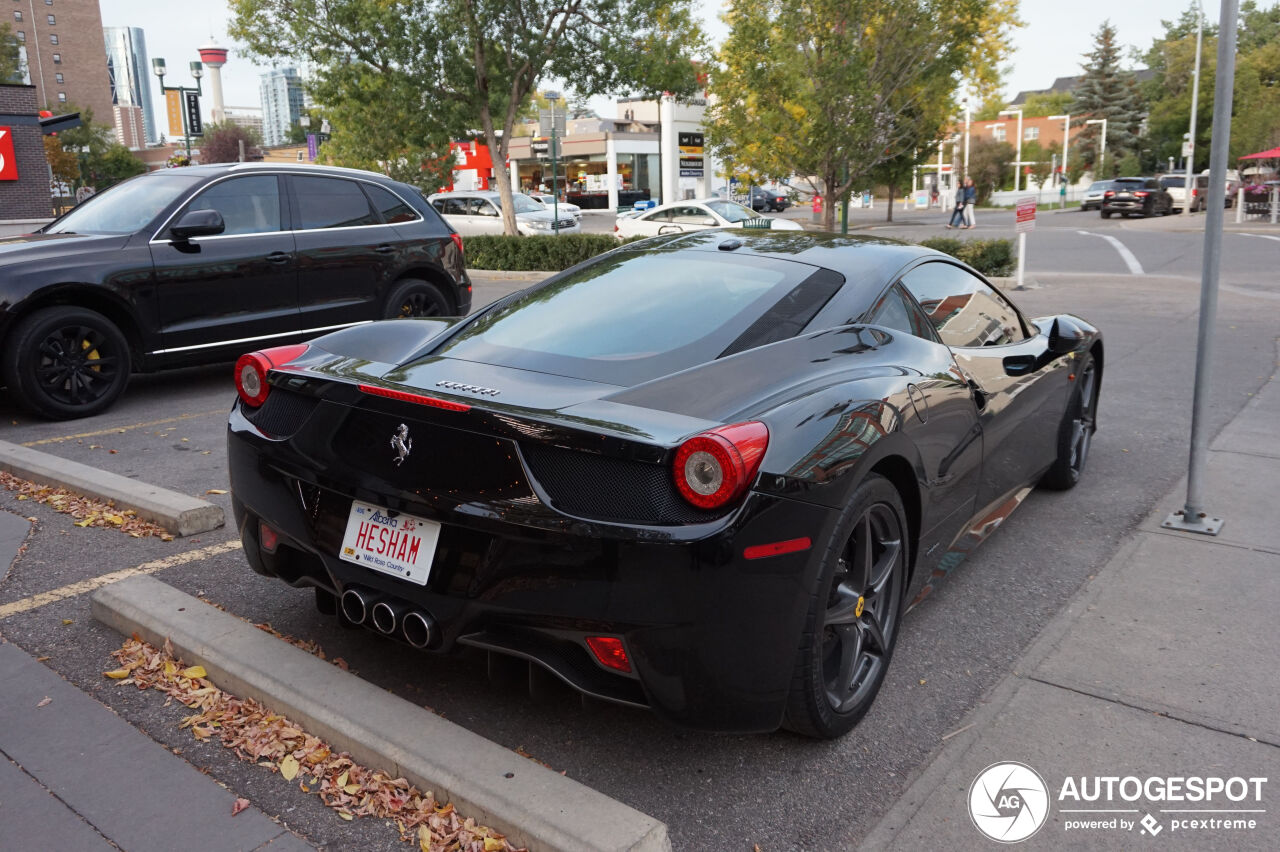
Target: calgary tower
214,57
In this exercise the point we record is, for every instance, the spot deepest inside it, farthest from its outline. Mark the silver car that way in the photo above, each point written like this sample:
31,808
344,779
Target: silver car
561,207
1093,195
479,212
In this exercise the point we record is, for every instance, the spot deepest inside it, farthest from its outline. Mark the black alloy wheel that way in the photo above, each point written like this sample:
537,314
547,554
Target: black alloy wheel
1075,435
65,362
414,298
855,620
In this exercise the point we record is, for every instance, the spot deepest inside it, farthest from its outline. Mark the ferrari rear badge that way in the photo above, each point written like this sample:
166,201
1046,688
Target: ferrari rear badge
401,443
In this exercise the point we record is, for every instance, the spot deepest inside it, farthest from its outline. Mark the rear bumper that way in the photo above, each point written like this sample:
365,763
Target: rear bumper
711,636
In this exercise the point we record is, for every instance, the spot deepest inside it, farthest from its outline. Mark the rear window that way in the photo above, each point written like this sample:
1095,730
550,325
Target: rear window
632,317
1174,181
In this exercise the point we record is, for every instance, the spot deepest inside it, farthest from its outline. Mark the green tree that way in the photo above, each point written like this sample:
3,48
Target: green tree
1048,103
848,85
10,56
221,143
62,163
400,78
989,165
989,110
1107,91
116,164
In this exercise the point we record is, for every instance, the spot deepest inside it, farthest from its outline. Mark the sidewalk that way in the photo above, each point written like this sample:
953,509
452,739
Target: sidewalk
1163,666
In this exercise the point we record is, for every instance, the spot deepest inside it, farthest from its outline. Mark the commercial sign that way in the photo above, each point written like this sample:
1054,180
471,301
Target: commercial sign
194,128
313,147
8,160
1026,214
173,106
690,167
691,143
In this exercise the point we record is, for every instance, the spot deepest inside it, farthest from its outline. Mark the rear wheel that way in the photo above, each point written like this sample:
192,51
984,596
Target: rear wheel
1075,435
415,298
853,615
1106,214
66,362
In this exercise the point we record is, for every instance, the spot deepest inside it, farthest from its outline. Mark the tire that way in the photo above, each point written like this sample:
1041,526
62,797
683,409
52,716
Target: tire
65,362
413,297
854,615
1106,214
1075,434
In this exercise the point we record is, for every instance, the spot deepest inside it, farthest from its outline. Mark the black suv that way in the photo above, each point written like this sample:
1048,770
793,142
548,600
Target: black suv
1143,196
202,264
765,200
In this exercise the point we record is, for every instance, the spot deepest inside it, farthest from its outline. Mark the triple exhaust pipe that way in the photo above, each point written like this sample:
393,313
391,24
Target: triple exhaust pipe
389,616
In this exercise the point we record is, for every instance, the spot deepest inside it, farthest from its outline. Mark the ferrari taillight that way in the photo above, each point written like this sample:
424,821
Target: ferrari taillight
717,467
251,371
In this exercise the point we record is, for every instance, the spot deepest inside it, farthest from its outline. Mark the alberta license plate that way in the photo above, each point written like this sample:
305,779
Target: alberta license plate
391,542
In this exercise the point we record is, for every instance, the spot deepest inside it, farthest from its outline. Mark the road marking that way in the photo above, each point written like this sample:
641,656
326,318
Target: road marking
119,429
74,589
1262,236
1130,261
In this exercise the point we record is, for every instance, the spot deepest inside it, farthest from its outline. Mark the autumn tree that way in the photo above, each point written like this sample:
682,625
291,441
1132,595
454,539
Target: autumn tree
221,143
102,160
62,163
400,78
989,165
1106,90
848,84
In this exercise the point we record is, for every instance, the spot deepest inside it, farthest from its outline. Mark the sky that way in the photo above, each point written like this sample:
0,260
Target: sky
1051,45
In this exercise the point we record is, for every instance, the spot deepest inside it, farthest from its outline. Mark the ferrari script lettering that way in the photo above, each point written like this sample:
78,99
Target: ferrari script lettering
459,386
399,545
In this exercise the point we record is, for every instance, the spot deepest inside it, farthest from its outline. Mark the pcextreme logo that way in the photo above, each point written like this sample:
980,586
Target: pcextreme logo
1009,802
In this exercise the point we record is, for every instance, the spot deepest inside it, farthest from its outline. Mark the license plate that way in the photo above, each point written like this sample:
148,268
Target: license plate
390,542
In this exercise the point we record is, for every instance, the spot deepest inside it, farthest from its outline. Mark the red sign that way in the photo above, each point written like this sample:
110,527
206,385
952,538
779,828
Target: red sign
8,162
1026,214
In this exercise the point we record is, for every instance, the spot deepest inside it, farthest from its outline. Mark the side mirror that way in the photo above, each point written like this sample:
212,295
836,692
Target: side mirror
197,223
1064,337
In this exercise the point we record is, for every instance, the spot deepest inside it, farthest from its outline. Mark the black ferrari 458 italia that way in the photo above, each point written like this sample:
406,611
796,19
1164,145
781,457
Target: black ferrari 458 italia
700,474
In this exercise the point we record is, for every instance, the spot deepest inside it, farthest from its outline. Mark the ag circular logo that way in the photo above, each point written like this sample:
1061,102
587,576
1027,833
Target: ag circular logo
1008,802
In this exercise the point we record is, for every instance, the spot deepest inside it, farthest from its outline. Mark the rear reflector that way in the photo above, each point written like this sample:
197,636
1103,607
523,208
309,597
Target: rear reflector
610,651
268,538
777,548
417,399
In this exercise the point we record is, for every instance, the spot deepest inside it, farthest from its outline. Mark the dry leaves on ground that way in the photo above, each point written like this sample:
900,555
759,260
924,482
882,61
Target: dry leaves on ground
87,511
309,645
272,741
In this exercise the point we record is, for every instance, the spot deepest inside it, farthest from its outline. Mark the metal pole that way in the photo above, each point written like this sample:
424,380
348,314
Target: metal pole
1022,257
1195,101
1018,176
1066,146
555,196
844,203
1192,517
966,138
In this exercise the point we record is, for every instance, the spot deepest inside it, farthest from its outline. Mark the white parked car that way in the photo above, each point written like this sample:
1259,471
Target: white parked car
680,216
549,203
478,212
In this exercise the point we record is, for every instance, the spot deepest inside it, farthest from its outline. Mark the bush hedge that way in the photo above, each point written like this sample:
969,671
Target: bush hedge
552,254
994,258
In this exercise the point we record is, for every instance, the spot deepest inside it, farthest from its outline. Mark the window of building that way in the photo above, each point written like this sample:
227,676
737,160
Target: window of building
48,2
1030,133
58,77
53,38
997,133
51,20
21,35
57,59
17,16
62,97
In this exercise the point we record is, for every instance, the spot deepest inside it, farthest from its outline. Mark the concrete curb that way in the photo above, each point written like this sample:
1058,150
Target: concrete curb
529,803
178,513
504,275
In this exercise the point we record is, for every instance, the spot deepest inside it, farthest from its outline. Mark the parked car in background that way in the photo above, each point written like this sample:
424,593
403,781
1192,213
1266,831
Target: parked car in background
479,212
766,200
1200,193
1093,195
683,216
1176,186
549,203
201,264
1142,196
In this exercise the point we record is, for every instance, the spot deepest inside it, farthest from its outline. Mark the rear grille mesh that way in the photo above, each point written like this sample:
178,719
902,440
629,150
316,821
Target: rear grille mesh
604,488
282,414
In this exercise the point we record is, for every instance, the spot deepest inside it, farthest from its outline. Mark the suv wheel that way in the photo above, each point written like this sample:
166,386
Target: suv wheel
66,362
415,298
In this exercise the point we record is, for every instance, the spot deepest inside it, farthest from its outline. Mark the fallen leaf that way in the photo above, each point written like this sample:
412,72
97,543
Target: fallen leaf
348,817
240,805
41,659
46,700
68,621
289,767
342,780
216,491
493,844
118,674
194,672
351,789
923,681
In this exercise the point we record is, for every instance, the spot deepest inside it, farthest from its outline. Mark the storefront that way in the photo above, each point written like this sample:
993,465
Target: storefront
597,171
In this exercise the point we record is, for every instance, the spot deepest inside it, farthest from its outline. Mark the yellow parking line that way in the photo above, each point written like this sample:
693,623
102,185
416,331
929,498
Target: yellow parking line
119,429
70,591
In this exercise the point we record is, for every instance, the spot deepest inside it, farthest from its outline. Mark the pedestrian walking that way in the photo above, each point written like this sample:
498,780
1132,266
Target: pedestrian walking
957,214
970,196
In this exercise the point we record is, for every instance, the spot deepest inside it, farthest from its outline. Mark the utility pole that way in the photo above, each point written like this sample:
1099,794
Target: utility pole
552,97
1190,152
197,71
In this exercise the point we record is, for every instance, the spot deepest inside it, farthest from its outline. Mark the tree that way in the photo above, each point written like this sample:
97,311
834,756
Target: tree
989,165
1047,103
117,164
1107,91
848,85
102,161
10,56
399,80
62,163
221,143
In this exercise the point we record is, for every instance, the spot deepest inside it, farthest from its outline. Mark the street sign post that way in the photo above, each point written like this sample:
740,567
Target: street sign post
1025,221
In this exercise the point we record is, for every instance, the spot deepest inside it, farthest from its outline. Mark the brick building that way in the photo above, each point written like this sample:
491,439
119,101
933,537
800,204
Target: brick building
65,53
24,181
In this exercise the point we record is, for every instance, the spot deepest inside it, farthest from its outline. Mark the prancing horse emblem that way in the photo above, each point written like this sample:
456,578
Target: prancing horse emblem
402,444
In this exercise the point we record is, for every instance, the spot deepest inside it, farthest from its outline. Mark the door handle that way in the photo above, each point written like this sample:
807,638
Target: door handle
385,248
279,257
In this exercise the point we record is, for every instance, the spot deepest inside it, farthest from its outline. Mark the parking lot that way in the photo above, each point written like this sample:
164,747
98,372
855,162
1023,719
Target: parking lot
778,791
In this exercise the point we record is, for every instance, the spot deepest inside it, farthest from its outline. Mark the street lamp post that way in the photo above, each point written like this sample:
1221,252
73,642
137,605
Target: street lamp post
1017,169
1102,155
1195,100
1066,144
197,71
552,97
966,137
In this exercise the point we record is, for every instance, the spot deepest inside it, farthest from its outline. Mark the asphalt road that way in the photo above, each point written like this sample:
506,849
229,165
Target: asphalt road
779,791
